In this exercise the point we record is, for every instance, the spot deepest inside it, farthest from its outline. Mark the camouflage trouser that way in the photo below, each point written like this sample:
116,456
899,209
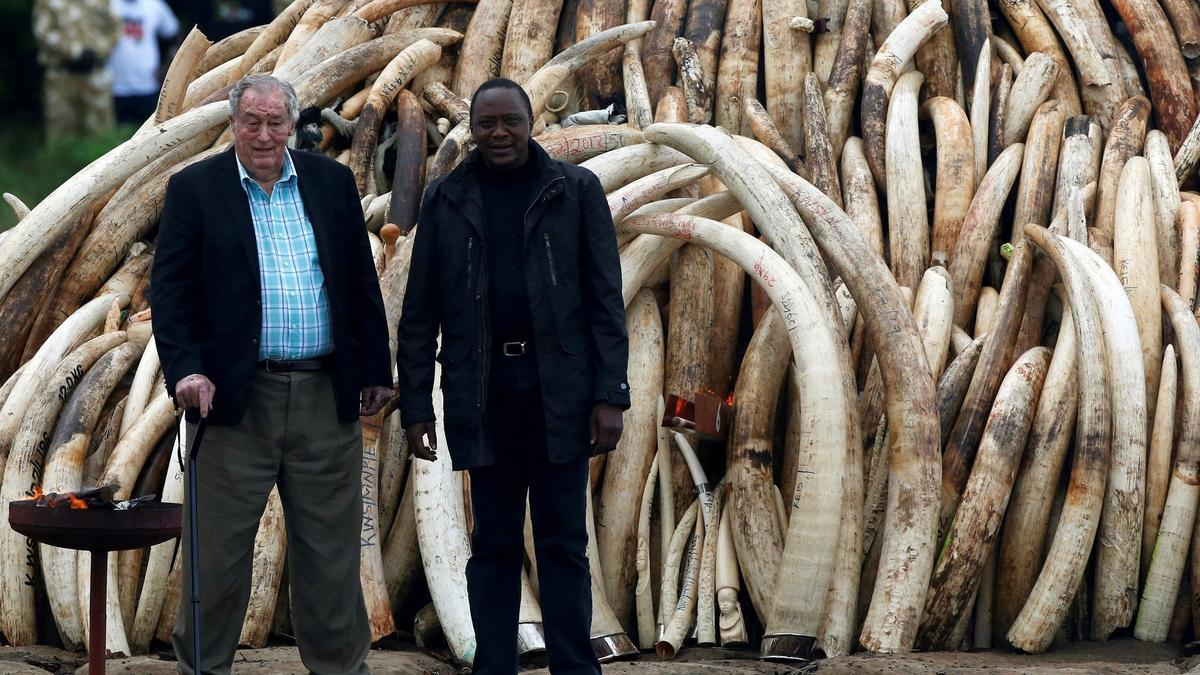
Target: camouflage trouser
75,104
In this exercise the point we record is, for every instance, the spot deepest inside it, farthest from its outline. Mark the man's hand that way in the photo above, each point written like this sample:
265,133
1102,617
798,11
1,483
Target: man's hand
372,399
606,427
415,434
195,391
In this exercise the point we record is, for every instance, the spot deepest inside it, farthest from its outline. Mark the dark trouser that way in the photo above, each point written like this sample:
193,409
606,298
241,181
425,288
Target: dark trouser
134,109
557,506
290,436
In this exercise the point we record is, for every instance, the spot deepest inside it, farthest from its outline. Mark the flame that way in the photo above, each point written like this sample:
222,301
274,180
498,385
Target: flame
76,502
37,492
729,399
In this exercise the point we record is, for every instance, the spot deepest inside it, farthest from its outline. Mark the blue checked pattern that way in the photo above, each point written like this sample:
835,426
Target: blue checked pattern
295,307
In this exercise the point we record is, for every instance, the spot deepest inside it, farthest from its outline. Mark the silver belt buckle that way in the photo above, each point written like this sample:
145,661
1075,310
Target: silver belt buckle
514,348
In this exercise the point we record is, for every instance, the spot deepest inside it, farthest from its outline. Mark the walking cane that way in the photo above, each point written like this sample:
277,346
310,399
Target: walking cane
193,538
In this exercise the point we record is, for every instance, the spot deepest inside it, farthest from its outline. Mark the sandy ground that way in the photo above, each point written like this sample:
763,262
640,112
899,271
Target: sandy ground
1118,656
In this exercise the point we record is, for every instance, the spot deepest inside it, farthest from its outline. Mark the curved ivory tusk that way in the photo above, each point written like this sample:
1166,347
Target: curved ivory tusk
1066,560
441,531
18,617
889,62
1023,540
765,131
1166,205
627,469
1115,591
266,574
1030,89
862,204
395,75
979,229
787,60
972,537
1189,227
1171,546
981,103
908,227
643,595
646,189
796,609
1036,35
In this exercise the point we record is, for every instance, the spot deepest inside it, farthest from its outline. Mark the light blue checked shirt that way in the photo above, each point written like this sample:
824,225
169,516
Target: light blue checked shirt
295,306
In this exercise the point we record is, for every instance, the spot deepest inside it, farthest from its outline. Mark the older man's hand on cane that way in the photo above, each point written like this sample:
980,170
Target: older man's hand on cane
195,391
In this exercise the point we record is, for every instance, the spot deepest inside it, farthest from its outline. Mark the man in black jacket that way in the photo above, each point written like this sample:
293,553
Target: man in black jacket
269,320
515,261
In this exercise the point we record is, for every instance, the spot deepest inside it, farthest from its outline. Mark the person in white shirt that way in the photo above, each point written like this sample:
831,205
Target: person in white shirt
135,62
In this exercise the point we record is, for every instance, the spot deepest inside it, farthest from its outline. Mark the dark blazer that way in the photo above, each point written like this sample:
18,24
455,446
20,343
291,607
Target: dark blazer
573,279
205,289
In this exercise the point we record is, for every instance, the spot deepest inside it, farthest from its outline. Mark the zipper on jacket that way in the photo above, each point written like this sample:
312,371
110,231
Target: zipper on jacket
550,258
470,264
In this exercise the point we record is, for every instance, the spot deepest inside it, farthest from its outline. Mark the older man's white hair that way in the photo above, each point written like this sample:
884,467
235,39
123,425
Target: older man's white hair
264,84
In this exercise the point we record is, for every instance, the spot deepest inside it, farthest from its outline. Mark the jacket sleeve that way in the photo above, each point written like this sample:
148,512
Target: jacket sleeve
604,307
368,321
175,283
416,335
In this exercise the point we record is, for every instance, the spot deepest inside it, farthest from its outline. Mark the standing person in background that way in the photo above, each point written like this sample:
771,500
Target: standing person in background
74,37
221,18
135,61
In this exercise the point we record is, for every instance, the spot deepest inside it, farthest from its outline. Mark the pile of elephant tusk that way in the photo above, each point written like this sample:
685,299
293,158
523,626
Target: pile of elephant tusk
963,383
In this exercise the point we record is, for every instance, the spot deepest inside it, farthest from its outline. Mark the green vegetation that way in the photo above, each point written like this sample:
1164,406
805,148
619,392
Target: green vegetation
31,168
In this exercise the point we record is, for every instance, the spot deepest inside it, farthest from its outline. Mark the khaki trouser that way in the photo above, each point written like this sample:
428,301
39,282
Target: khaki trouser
76,104
290,436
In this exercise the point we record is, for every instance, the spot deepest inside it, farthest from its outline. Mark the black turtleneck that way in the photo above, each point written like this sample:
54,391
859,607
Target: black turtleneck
507,194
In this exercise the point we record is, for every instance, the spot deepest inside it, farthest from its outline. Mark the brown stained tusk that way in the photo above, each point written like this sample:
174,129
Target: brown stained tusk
1101,88
1189,251
787,60
887,65
691,80
1035,34
963,441
1166,73
1185,18
979,230
835,17
937,60
818,150
1125,140
845,71
738,69
862,204
972,538
1039,168
998,113
1023,541
955,174
765,131
972,30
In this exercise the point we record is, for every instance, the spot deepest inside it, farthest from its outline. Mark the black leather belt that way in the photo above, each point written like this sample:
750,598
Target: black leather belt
515,347
295,366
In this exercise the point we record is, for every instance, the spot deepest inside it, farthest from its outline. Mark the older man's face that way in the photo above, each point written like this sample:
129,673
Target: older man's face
261,128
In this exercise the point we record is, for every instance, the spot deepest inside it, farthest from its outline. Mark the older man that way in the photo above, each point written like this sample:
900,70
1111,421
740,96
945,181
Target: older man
269,322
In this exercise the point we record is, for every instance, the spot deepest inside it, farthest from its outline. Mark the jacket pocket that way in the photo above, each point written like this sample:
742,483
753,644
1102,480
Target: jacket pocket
574,344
